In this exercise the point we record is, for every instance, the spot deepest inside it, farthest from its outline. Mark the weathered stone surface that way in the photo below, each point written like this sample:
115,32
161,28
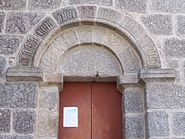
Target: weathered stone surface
21,23
24,74
158,124
48,98
12,4
18,95
181,25
173,6
87,11
133,5
44,4
2,16
2,66
97,60
148,50
98,2
165,95
44,28
133,100
4,120
47,124
174,48
179,123
109,14
24,121
134,127
9,44
15,137
64,15
158,24
28,50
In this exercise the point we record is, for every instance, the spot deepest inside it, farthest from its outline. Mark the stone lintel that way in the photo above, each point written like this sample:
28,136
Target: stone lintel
24,74
157,75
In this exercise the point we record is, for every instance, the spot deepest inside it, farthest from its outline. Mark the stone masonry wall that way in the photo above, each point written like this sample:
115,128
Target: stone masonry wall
164,20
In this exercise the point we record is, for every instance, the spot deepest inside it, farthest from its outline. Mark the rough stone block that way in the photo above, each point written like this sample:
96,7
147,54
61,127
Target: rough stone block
15,137
133,101
21,23
44,4
48,98
158,24
9,44
133,5
134,127
18,95
2,66
12,4
65,15
2,16
98,2
179,123
47,124
24,121
172,6
5,121
44,28
181,25
175,48
158,124
165,95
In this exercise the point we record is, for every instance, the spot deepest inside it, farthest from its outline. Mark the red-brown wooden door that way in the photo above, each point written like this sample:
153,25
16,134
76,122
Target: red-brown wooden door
99,111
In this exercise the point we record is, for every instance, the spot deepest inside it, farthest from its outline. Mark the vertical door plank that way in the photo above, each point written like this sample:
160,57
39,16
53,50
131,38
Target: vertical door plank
106,112
76,95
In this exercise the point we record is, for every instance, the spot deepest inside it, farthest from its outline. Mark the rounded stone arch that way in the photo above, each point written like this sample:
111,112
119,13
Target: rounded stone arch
73,16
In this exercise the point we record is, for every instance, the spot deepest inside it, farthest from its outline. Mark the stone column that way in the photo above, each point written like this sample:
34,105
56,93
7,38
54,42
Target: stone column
160,99
133,107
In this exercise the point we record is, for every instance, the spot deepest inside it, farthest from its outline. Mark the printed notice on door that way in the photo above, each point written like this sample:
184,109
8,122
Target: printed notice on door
70,117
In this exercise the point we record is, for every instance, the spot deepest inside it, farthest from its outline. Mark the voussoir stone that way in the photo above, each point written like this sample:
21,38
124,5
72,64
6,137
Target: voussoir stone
87,11
65,15
158,24
2,16
174,48
165,95
158,124
12,4
21,23
173,6
44,28
5,120
181,25
98,2
179,123
44,4
9,44
24,121
133,5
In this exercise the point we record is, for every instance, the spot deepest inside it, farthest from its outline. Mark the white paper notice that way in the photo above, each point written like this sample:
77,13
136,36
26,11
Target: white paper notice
70,117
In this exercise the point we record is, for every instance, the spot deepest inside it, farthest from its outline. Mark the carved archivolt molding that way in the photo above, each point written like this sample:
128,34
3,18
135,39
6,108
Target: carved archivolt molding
89,24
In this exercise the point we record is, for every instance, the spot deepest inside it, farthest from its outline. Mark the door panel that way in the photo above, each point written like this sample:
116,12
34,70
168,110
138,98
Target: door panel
76,95
99,111
106,111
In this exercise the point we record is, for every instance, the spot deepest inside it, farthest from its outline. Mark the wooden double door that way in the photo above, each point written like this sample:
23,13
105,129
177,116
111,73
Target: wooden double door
99,111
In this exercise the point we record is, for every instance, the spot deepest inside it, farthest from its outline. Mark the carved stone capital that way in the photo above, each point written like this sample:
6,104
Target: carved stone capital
128,81
157,75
